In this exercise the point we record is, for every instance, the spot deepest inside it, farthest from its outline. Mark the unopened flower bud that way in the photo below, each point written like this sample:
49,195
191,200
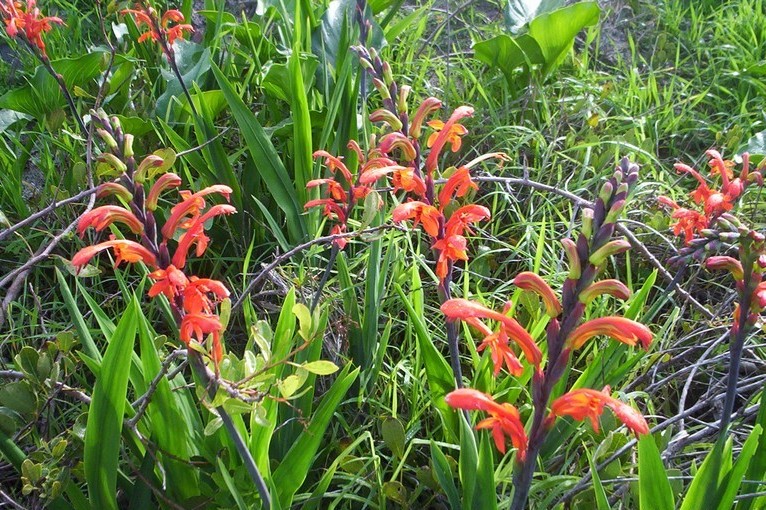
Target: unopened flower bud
587,222
127,150
404,93
388,117
381,88
615,211
611,248
606,192
113,161
388,76
614,288
114,188
107,138
570,248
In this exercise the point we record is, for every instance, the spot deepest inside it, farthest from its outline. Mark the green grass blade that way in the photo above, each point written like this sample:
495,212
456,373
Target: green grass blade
733,480
266,159
444,476
86,340
654,491
104,427
602,503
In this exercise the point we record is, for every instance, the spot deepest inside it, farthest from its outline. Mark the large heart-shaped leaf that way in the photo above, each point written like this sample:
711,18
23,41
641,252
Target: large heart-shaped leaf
555,31
514,56
518,13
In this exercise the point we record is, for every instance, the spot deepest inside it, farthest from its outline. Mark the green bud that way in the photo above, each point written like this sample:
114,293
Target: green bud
113,161
388,76
127,149
570,248
611,248
381,88
606,192
587,222
107,138
404,93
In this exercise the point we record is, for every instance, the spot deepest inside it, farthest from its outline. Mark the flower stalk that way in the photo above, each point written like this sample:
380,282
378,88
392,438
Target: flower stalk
193,300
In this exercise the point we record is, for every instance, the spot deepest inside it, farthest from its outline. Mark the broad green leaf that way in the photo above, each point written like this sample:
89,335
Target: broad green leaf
518,13
514,56
756,147
602,503
757,468
654,490
394,436
468,462
703,491
321,367
105,415
438,371
555,31
172,432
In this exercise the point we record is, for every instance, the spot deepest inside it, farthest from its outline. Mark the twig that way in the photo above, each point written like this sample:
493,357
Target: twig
143,401
43,212
294,251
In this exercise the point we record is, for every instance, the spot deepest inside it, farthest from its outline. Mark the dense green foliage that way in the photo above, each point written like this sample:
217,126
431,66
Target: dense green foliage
344,407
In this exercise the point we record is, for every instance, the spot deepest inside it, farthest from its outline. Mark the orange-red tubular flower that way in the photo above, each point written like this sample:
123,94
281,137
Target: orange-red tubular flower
458,184
101,217
759,296
199,325
373,174
195,234
127,251
170,281
461,220
164,183
27,18
499,350
504,419
396,140
727,264
463,309
334,163
334,189
532,282
445,135
587,403
407,180
191,206
421,212
454,137
196,294
619,328
450,249
614,288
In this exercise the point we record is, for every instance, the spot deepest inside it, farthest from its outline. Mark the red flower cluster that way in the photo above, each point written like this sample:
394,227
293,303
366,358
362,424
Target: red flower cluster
341,196
25,18
712,202
159,30
578,404
194,299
